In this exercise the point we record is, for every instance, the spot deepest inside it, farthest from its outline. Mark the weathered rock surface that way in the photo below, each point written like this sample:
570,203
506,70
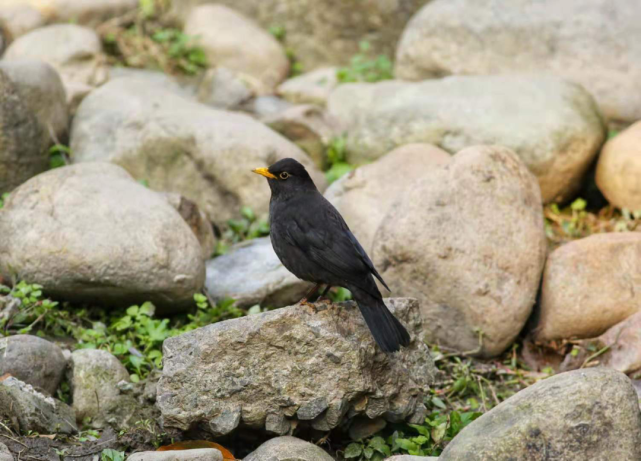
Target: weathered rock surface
583,414
624,345
5,454
90,233
288,449
308,126
86,12
552,125
596,43
42,90
222,88
251,273
200,454
619,169
22,138
187,87
224,34
29,410
310,88
263,370
590,285
197,220
176,145
365,196
325,32
94,376
74,51
33,360
467,241
20,18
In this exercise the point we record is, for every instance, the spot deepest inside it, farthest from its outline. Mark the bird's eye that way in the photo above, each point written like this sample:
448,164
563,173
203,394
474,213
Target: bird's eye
284,175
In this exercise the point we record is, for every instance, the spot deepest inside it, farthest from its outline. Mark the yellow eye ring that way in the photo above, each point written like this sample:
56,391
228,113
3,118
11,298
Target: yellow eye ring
284,175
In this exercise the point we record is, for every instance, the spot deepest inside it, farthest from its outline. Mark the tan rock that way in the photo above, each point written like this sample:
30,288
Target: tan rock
467,240
225,34
595,43
618,173
590,285
19,18
365,195
310,88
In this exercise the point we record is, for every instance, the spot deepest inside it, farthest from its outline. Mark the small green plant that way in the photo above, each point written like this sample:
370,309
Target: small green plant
336,158
278,32
148,40
3,198
134,336
365,68
182,49
112,455
59,155
247,227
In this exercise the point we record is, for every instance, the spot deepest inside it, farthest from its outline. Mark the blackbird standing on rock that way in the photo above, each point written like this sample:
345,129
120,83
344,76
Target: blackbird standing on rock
313,242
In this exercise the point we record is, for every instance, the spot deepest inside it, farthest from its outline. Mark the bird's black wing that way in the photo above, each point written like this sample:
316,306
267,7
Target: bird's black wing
322,234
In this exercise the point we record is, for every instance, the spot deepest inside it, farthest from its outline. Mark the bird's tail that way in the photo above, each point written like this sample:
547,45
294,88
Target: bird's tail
388,332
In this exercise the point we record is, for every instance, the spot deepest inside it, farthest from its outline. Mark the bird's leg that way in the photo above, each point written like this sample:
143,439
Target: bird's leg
310,294
325,291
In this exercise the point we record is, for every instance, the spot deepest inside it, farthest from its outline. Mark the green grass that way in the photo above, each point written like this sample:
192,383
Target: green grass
366,68
336,153
134,335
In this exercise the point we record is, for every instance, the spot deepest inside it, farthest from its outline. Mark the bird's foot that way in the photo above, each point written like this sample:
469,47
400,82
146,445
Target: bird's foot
304,302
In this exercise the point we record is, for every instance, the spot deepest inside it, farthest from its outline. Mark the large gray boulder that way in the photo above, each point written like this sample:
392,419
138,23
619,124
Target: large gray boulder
33,360
590,414
552,125
291,364
97,401
224,34
324,32
251,273
199,454
22,138
181,146
590,285
596,43
74,51
90,233
42,90
467,240
29,410
365,195
288,448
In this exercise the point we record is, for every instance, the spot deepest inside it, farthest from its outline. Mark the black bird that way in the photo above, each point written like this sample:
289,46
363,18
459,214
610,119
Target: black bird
314,243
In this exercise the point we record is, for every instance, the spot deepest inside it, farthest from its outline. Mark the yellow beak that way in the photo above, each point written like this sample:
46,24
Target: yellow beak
264,172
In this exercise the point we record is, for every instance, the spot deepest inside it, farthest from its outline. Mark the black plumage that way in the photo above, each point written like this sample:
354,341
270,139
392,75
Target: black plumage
314,243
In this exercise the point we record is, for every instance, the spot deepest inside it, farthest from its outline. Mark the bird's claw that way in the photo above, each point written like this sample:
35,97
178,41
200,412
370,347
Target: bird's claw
304,302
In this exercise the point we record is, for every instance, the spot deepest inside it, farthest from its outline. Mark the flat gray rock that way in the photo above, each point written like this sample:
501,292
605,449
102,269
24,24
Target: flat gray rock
270,369
554,126
200,454
251,273
29,410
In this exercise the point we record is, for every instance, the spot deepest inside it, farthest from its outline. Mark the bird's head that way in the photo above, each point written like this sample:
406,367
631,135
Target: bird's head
287,176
